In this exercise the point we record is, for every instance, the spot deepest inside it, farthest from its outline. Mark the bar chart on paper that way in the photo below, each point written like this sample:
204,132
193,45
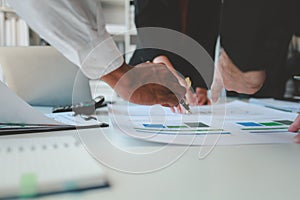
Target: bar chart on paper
186,128
271,126
231,123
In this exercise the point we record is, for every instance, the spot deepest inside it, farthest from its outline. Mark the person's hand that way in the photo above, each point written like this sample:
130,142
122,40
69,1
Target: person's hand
227,74
295,127
198,98
201,97
146,84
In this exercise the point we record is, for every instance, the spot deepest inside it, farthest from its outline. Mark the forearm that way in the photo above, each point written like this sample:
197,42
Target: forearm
113,77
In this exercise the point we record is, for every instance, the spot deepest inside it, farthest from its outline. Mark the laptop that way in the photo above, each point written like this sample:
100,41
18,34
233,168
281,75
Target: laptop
42,76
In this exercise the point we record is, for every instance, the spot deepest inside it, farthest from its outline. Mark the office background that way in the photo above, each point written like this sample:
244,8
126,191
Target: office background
119,15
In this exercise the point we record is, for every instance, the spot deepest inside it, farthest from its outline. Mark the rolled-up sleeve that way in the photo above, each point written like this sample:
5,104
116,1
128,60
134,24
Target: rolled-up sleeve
76,28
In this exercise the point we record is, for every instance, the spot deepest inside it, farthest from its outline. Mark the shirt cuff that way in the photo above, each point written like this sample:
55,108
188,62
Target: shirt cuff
101,58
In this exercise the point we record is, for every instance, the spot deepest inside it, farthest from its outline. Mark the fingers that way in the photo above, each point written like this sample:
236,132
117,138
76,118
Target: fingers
191,98
164,60
173,86
172,109
167,88
201,96
297,139
170,98
295,128
296,125
174,94
203,101
180,109
147,84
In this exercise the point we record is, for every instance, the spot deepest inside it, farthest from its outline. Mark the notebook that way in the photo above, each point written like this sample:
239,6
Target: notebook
33,167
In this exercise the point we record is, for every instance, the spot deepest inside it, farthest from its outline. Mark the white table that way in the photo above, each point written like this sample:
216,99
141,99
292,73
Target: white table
229,172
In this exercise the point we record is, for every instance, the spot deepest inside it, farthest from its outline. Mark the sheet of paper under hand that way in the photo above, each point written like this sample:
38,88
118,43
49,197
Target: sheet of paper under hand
232,123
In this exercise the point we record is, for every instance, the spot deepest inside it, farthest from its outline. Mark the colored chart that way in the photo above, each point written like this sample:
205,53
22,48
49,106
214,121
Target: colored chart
271,126
187,128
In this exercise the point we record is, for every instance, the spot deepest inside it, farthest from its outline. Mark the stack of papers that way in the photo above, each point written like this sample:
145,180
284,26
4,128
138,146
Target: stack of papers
16,116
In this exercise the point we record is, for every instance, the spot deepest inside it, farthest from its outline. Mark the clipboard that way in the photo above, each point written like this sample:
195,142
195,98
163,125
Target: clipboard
16,129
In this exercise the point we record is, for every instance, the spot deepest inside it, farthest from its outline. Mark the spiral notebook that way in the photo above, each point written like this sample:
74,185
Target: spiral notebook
32,167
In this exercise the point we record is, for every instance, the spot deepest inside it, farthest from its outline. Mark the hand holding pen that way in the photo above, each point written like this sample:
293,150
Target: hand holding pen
183,106
184,102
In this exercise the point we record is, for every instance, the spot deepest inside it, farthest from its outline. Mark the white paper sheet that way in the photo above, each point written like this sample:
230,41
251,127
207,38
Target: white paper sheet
14,110
277,104
224,124
75,120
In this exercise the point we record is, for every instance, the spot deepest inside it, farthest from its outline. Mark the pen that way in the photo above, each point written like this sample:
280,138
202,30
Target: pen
185,105
182,101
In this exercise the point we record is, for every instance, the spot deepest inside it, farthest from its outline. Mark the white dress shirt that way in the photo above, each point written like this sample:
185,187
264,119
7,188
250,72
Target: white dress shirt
77,29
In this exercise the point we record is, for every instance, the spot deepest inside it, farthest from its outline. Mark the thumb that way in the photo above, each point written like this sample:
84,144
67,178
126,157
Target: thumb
164,60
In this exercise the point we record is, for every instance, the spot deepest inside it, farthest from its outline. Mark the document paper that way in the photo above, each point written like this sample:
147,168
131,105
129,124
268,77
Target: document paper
14,111
223,124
